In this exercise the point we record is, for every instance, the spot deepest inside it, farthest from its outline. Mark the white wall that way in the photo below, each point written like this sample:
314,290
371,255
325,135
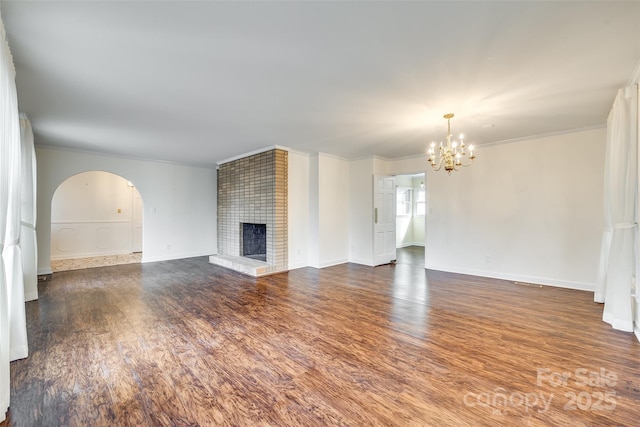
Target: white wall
298,205
329,210
361,174
314,213
529,211
532,208
92,214
361,211
179,202
406,166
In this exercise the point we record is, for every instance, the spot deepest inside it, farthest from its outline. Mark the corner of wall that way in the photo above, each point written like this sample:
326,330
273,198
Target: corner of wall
298,210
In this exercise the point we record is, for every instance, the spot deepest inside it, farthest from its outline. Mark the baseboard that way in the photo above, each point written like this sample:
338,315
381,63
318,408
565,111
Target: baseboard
18,352
31,296
636,331
334,262
360,261
406,245
330,263
621,325
545,281
296,266
146,259
45,271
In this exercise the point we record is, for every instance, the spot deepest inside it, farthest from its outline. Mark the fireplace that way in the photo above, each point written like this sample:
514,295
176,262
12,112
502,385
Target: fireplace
253,205
253,240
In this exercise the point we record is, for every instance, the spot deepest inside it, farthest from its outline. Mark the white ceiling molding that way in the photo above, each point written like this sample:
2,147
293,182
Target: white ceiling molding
252,153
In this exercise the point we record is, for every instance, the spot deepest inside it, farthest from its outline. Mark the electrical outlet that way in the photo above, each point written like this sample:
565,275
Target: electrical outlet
487,259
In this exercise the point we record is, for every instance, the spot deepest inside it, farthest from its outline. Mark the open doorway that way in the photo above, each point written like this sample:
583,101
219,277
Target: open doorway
410,218
96,220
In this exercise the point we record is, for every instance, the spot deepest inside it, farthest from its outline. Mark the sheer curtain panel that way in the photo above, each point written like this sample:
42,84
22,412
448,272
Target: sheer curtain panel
13,333
12,253
6,76
28,241
620,190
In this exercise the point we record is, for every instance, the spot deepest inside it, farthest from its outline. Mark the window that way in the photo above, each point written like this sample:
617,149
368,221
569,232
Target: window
420,202
404,200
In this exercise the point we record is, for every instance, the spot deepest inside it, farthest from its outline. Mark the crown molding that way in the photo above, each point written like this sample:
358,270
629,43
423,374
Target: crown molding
539,136
252,153
121,156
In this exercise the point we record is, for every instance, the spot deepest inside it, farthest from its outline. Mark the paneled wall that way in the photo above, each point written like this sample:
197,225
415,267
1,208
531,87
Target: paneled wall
95,213
179,201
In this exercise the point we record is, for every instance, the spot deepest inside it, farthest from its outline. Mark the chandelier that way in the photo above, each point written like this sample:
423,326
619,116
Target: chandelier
450,155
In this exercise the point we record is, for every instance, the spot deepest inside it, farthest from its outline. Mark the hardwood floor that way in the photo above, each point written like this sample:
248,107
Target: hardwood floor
188,343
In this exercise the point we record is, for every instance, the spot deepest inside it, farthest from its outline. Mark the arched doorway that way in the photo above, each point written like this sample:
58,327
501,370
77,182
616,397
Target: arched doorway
96,220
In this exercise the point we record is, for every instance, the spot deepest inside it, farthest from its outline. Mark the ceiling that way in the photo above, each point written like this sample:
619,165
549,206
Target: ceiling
199,82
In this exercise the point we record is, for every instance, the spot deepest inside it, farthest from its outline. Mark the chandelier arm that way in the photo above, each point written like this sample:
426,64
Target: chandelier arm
438,167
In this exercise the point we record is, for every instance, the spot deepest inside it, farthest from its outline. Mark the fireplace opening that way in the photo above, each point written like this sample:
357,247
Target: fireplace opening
253,240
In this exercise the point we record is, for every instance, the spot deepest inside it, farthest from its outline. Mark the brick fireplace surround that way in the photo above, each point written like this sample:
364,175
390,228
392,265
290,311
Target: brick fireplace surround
253,189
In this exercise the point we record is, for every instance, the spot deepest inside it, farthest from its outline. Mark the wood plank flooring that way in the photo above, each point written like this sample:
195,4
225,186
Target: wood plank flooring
186,343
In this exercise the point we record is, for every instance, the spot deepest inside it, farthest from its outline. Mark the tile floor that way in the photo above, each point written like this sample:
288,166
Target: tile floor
99,261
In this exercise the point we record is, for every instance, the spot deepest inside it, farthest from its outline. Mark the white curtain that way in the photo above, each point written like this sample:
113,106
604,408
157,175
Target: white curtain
13,333
620,190
28,242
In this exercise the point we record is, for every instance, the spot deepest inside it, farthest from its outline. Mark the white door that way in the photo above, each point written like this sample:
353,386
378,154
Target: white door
384,219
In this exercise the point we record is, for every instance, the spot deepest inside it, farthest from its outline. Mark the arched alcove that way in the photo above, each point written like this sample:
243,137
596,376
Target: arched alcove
96,219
